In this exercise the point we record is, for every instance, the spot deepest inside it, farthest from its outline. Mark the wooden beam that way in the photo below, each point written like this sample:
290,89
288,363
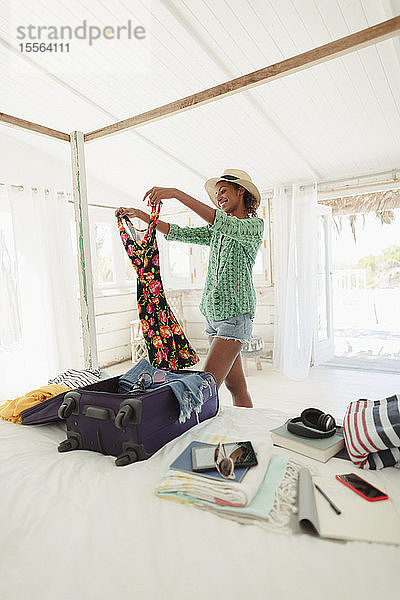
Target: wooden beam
17,122
317,56
84,255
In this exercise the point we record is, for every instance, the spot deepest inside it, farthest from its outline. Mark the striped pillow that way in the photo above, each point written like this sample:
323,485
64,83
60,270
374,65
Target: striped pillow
74,378
372,432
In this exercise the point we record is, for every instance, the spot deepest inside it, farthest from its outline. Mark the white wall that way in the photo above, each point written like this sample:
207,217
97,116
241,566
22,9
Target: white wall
263,321
47,163
113,315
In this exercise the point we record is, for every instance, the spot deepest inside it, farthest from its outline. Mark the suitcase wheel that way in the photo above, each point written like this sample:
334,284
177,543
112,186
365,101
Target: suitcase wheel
130,413
71,443
69,405
123,417
127,458
131,452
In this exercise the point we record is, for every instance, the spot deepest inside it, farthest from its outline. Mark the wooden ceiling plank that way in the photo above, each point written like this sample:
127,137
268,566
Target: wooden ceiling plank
335,49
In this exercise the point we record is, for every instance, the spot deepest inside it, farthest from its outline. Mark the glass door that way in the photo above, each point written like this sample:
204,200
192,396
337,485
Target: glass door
323,338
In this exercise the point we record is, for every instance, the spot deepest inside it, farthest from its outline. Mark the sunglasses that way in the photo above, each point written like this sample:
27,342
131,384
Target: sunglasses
225,464
144,381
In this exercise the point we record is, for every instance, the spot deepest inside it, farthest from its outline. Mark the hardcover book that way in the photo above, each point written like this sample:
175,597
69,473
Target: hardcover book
184,463
319,449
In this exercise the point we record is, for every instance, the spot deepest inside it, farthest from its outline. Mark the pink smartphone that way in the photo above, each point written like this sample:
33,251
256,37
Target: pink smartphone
362,487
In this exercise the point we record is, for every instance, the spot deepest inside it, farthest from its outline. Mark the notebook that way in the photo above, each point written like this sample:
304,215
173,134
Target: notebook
359,519
184,463
319,449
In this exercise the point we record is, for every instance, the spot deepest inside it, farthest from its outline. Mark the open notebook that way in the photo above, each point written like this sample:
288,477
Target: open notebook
360,519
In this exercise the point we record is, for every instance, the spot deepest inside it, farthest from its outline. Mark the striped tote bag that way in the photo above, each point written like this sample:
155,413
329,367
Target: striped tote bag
372,432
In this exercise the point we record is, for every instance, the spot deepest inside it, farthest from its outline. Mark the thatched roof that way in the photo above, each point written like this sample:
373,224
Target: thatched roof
381,203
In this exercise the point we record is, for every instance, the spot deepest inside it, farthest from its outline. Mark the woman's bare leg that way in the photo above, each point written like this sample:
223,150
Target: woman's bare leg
235,381
224,362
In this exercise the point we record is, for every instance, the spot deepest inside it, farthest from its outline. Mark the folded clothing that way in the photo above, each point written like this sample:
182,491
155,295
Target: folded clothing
11,410
273,505
74,378
187,387
218,492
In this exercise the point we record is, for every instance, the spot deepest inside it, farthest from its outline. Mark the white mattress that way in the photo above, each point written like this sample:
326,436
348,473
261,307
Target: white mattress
74,526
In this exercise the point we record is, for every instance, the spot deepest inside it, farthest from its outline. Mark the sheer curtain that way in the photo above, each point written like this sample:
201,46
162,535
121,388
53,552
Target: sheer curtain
294,225
47,289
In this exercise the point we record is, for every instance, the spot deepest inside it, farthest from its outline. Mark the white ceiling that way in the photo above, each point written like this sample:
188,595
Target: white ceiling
334,120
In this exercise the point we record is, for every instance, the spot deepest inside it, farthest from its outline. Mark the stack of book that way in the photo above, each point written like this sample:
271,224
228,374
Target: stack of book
319,449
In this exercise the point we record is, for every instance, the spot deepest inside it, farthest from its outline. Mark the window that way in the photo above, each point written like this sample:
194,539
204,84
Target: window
205,253
113,271
129,270
262,266
104,253
258,265
179,259
183,266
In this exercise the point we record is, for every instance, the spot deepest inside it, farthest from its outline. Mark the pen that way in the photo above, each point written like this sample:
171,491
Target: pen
335,508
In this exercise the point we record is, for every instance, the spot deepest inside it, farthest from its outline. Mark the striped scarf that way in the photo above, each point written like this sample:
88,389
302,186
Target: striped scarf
372,432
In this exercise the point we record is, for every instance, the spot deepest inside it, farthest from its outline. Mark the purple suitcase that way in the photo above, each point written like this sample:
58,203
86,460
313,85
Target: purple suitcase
131,426
47,411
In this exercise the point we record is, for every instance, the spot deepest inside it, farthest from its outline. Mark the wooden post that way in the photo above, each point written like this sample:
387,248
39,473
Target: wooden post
84,255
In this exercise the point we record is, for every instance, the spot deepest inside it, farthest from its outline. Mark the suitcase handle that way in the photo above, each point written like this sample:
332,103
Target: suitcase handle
98,412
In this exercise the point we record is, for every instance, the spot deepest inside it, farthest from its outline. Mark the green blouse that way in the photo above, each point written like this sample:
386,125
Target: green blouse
234,243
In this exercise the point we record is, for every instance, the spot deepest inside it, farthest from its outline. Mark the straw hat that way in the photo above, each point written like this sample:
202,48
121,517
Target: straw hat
232,176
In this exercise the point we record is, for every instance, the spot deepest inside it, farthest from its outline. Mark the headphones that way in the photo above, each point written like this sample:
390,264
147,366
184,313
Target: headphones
312,423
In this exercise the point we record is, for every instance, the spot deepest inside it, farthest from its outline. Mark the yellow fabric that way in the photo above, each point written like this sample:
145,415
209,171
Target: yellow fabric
11,409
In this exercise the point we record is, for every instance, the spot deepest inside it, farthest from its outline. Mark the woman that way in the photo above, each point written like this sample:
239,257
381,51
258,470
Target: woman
234,234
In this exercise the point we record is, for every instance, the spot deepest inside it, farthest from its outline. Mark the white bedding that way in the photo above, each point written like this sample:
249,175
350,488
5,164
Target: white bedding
74,526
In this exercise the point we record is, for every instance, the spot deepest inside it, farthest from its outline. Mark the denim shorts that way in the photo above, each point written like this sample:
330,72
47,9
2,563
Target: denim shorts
233,328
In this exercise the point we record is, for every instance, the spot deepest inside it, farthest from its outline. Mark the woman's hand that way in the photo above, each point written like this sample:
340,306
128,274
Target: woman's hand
128,212
156,194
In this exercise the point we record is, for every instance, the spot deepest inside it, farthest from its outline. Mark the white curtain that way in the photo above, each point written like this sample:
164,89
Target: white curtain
10,323
294,225
47,288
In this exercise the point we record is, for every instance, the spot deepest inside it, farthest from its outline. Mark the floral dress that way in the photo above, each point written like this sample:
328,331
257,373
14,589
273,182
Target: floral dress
167,345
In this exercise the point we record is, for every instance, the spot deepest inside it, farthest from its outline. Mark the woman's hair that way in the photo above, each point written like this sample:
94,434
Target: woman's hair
250,201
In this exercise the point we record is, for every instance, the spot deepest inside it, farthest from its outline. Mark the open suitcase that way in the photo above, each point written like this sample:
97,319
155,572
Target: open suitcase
47,411
131,426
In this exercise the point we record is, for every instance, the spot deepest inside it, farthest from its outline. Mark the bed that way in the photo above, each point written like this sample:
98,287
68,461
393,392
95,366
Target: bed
74,526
